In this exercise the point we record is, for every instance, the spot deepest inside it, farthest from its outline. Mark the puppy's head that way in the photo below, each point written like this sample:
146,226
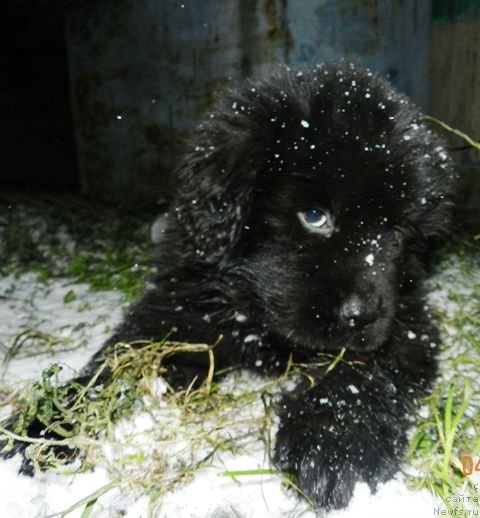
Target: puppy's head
315,185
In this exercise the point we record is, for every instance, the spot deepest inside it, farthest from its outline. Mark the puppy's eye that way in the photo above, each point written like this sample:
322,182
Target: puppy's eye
315,217
395,235
317,220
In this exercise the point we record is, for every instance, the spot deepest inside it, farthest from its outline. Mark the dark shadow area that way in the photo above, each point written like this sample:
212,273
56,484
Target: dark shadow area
36,129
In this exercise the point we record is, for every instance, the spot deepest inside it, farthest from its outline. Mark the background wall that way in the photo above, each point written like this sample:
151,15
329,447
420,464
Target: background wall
455,83
143,71
135,76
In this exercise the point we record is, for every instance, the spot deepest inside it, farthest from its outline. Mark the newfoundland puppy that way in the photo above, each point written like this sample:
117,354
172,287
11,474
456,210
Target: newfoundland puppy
305,203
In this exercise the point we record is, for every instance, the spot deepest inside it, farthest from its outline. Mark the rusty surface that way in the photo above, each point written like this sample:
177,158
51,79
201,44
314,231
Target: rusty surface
143,71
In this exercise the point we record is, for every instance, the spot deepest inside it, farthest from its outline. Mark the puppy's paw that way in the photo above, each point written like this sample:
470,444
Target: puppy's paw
41,448
327,460
39,430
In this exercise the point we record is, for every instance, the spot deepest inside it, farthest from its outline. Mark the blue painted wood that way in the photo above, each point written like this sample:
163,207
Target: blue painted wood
142,71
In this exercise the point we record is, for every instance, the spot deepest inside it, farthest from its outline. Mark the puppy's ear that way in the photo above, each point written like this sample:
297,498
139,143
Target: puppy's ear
215,185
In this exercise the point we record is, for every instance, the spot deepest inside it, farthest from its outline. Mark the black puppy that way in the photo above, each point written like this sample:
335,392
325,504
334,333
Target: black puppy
305,201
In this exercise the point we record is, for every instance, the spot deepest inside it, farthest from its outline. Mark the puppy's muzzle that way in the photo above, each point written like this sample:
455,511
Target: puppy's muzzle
358,312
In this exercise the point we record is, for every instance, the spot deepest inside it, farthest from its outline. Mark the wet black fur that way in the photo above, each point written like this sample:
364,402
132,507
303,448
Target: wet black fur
236,260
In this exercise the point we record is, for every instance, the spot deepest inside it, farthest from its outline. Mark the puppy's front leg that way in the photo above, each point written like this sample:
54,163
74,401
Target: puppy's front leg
152,319
350,426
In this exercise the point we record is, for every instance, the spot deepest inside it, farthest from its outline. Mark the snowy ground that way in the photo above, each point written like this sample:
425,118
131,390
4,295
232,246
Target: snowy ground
84,321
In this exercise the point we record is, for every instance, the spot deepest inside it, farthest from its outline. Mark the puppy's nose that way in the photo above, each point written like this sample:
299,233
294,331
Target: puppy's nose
358,312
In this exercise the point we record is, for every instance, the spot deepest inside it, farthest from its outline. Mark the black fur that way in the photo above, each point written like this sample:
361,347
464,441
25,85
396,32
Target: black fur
237,260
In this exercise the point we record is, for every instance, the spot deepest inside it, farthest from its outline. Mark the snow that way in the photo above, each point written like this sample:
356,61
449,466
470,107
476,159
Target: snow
370,259
353,389
32,304
86,322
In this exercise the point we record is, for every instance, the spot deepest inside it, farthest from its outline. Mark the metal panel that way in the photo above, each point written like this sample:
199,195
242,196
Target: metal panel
142,71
